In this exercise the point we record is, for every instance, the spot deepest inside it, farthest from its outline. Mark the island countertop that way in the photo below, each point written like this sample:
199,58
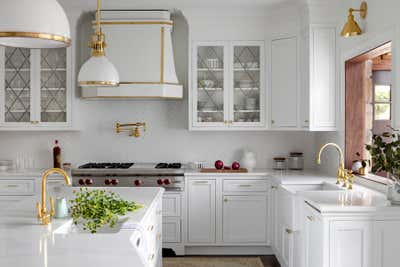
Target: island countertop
24,242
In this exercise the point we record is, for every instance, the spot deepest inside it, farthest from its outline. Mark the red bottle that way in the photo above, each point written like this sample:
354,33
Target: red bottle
56,155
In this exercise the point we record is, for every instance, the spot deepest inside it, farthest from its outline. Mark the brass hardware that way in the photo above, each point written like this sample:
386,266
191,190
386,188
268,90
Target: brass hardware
272,121
225,200
350,178
230,121
99,83
150,228
135,22
43,215
274,187
11,186
306,121
34,122
289,231
351,27
310,218
201,182
132,128
158,237
38,35
152,257
245,185
162,54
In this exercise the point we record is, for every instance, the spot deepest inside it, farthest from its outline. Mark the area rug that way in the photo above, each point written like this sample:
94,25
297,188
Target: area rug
213,262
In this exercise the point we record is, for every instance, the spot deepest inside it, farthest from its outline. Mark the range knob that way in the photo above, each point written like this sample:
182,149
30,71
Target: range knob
107,181
167,181
160,182
138,182
88,181
81,182
114,181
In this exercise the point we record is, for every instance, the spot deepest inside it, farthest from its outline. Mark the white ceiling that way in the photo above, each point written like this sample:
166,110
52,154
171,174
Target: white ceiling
132,4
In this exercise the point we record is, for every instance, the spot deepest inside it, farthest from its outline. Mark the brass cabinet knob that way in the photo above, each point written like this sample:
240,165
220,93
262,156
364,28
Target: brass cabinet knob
272,121
274,187
306,121
34,122
225,200
310,218
289,231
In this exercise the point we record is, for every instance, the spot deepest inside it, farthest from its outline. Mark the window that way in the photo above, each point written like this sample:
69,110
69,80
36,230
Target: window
382,102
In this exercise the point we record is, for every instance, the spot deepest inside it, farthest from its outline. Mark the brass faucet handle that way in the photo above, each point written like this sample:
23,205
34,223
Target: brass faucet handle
39,210
52,210
350,178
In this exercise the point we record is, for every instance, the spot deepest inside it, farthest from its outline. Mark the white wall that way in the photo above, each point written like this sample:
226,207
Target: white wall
382,24
167,138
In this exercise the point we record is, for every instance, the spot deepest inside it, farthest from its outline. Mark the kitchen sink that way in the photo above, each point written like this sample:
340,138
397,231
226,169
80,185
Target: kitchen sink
313,187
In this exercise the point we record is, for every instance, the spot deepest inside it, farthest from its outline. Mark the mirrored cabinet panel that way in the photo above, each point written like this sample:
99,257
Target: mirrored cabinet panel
228,86
34,89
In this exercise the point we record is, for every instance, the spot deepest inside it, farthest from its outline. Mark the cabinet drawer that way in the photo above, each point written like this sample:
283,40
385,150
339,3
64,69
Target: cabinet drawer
245,185
171,230
17,187
172,205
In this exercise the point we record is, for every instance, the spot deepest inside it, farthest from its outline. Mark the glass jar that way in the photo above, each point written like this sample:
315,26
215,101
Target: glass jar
279,163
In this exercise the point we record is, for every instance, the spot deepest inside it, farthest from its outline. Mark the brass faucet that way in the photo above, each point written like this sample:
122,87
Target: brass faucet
132,128
43,215
342,174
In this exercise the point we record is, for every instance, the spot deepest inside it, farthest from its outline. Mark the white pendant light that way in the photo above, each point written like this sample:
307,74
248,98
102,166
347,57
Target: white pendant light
98,70
33,24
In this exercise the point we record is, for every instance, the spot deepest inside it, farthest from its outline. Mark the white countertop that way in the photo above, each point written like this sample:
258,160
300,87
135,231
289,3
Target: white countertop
24,242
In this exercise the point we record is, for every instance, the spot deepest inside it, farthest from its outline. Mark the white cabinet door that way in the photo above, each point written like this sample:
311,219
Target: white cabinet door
323,94
245,219
314,240
201,211
284,226
386,243
351,244
284,83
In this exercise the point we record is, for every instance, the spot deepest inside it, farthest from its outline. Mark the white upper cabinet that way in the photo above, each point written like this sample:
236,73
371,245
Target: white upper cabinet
228,86
320,96
284,84
35,88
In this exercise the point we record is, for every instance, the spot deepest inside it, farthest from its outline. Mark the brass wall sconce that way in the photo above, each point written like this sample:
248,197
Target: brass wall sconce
351,27
132,128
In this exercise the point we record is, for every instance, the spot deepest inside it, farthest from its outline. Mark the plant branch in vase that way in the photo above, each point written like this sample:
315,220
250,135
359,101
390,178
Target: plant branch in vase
385,157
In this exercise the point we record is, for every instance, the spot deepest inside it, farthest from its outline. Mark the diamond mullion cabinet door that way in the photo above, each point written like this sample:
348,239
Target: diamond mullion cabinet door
16,87
209,83
284,84
247,84
53,107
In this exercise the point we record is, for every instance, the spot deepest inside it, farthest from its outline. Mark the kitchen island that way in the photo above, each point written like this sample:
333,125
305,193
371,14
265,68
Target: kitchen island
136,242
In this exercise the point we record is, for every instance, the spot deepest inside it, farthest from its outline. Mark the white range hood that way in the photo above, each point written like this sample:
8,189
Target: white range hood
139,44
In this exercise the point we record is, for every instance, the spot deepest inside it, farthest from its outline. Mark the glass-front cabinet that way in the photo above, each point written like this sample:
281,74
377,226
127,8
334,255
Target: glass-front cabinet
34,88
228,86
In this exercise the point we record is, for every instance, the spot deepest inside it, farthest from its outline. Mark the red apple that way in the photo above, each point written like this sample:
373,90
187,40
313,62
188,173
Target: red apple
219,164
235,165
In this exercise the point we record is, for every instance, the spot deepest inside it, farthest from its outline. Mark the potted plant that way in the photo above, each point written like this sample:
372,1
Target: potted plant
385,155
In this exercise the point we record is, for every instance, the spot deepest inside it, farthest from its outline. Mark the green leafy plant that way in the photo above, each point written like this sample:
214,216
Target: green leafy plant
385,153
97,208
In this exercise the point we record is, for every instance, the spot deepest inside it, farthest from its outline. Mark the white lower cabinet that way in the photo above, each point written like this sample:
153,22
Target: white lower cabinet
229,211
244,219
386,243
201,211
314,240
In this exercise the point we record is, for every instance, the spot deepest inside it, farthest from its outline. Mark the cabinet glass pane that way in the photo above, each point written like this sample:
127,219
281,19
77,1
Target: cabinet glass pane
17,85
210,84
53,85
246,91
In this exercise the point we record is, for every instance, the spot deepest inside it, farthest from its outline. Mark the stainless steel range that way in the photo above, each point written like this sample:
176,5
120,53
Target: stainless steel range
167,175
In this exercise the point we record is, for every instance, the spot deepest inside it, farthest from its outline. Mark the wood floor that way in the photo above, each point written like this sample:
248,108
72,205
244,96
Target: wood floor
270,261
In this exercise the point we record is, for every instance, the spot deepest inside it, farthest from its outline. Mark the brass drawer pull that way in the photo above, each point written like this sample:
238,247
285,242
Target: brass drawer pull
201,182
274,187
150,228
311,218
34,122
225,200
11,186
245,185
